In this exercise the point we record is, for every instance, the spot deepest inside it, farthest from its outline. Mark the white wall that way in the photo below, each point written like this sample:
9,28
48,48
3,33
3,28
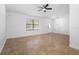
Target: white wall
74,26
61,25
16,25
2,26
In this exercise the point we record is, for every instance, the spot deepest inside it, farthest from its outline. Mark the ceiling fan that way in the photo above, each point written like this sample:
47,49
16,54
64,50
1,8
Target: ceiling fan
44,8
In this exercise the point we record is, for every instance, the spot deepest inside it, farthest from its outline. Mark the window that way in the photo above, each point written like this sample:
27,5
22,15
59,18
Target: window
32,25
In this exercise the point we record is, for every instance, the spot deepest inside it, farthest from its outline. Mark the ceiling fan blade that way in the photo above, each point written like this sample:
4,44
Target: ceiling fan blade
49,8
46,5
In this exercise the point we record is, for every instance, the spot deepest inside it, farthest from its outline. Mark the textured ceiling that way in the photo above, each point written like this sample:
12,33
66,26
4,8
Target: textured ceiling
59,10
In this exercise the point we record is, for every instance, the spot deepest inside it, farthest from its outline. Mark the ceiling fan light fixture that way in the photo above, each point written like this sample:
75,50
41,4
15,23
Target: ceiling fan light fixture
45,8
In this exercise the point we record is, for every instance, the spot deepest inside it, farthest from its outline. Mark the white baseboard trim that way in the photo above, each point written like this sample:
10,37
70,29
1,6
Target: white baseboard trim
26,35
74,47
2,45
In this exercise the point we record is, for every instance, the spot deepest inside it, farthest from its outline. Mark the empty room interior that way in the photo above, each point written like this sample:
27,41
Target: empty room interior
39,29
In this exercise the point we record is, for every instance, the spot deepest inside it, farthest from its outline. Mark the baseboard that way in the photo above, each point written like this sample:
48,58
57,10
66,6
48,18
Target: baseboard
61,33
74,47
34,35
2,45
19,37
